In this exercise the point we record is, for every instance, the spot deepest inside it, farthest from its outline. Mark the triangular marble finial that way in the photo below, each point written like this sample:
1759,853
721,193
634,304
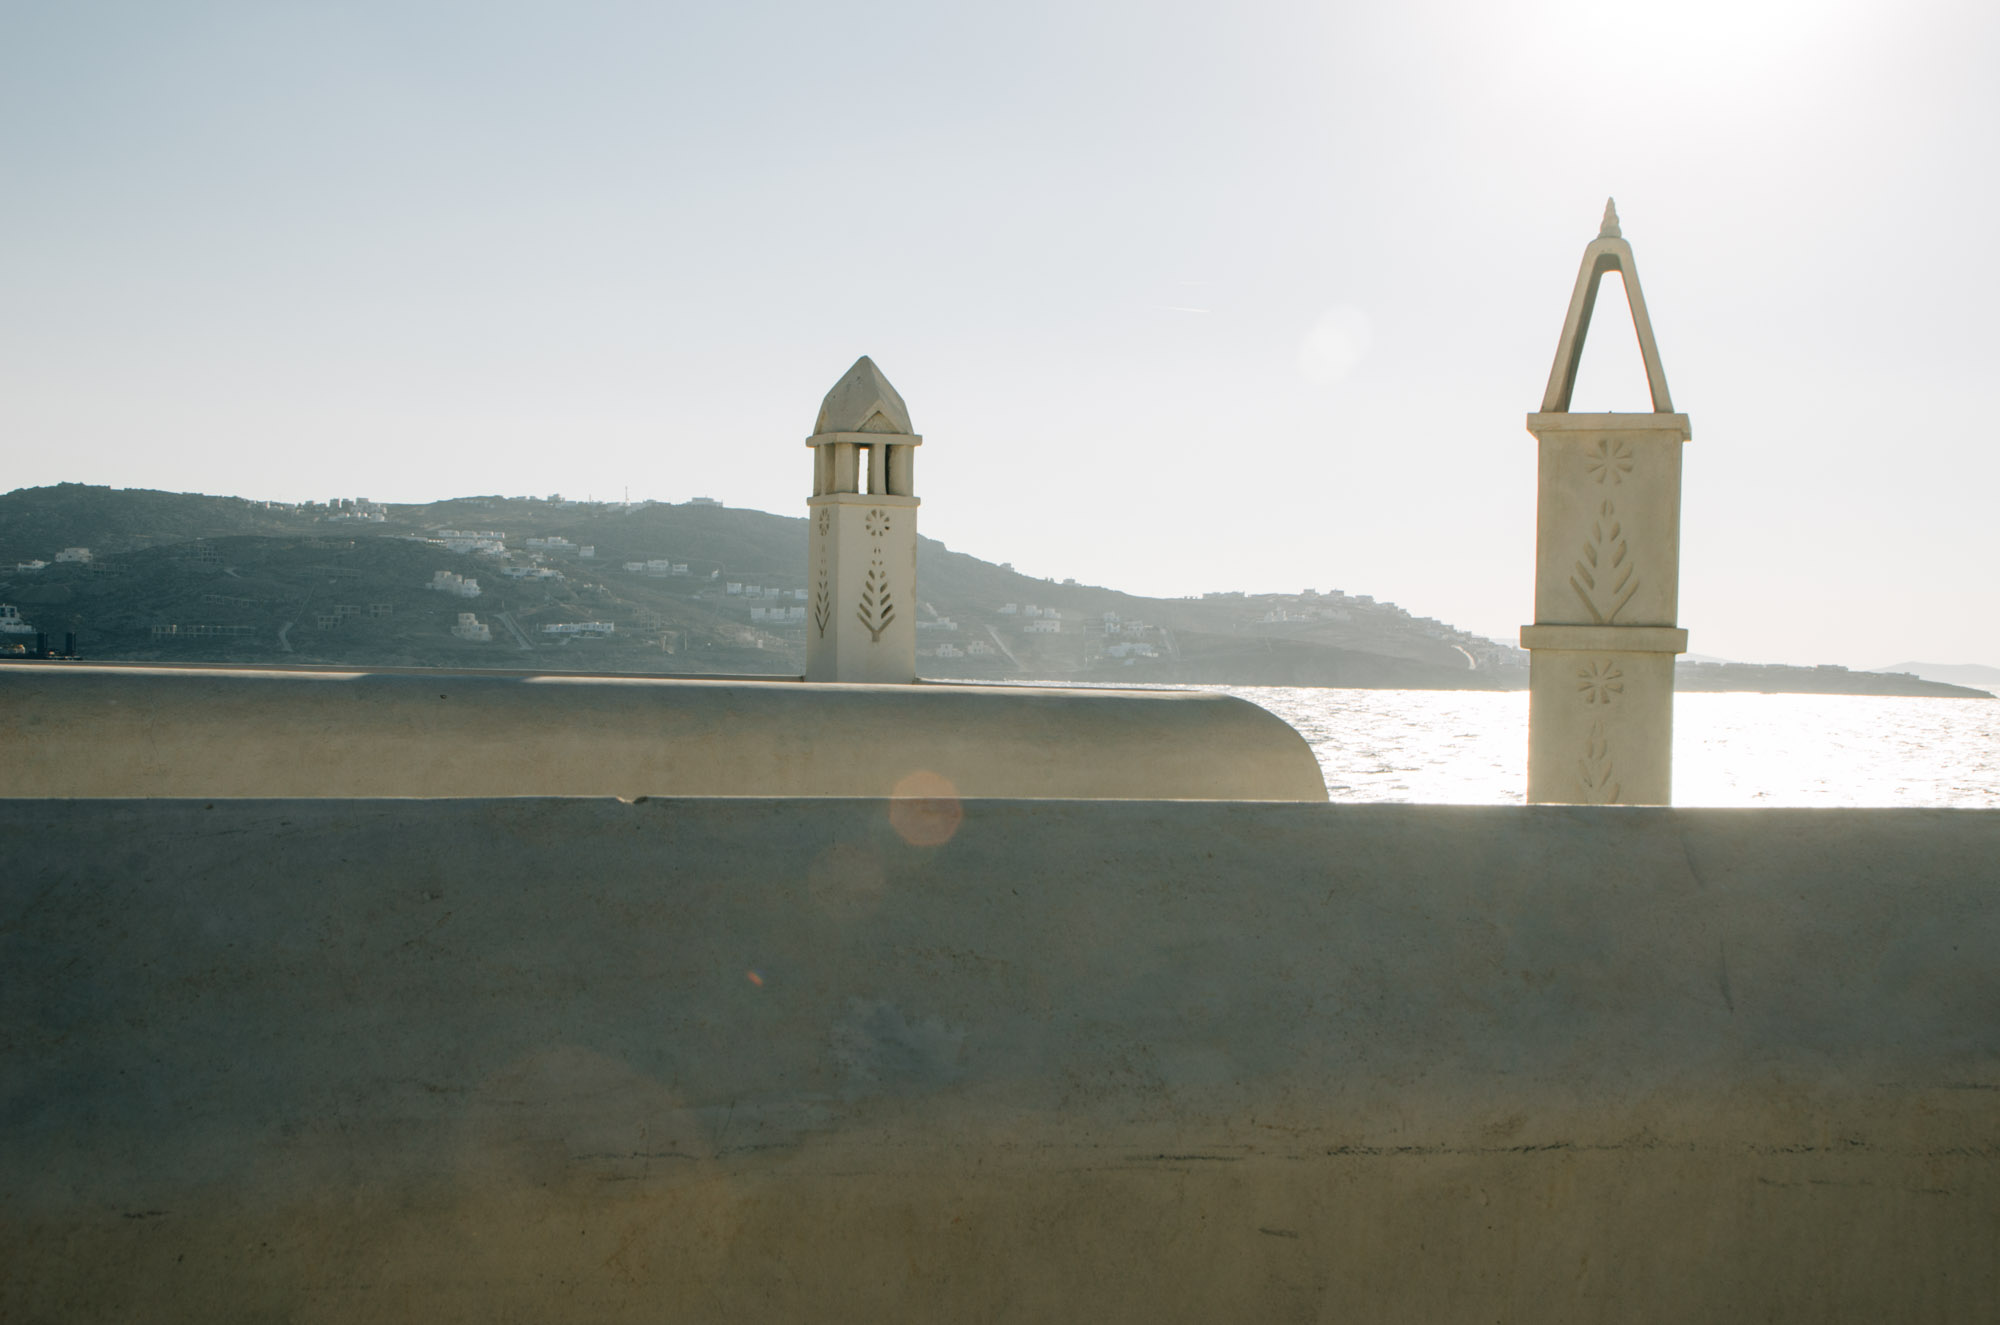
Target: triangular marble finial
863,401
1607,252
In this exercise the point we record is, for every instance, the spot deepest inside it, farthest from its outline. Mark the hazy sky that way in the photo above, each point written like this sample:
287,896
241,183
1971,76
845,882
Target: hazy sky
1182,297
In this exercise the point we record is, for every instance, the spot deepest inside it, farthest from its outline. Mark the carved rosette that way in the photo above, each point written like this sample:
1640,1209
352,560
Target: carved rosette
1608,462
1600,681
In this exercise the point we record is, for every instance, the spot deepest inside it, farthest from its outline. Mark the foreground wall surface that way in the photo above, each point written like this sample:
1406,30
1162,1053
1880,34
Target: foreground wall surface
124,731
581,1060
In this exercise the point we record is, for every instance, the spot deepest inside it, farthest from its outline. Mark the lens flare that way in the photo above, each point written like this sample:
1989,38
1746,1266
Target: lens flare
924,809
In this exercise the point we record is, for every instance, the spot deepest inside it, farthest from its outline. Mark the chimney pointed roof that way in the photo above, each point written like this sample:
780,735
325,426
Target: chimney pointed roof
863,401
1608,252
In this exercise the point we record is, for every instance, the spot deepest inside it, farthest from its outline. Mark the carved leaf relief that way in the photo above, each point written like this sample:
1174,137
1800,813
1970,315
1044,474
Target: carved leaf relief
1595,772
1605,572
876,523
822,591
877,609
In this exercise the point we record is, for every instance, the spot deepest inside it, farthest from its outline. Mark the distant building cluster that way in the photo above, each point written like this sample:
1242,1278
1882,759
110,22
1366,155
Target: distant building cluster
470,627
487,541
202,632
445,581
970,649
354,508
1283,614
1335,606
597,629
1115,624
333,508
659,568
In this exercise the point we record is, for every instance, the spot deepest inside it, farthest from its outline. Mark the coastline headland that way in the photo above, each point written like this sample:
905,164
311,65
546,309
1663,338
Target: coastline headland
223,581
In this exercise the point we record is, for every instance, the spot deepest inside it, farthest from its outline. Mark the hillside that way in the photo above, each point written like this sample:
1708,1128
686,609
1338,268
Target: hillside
696,588
185,577
1780,679
1977,675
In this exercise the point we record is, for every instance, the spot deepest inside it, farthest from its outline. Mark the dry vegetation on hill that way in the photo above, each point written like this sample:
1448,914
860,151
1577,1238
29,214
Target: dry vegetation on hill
252,582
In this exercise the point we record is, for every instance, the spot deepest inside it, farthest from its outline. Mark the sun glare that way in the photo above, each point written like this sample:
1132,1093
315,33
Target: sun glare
1749,49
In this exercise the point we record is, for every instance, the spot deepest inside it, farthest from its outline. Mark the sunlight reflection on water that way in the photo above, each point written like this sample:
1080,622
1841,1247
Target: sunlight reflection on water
1470,747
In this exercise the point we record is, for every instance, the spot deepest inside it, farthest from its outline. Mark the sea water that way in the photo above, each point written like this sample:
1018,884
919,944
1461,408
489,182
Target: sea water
1471,746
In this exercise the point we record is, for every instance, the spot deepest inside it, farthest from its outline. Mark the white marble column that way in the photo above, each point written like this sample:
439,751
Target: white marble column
1607,572
861,570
